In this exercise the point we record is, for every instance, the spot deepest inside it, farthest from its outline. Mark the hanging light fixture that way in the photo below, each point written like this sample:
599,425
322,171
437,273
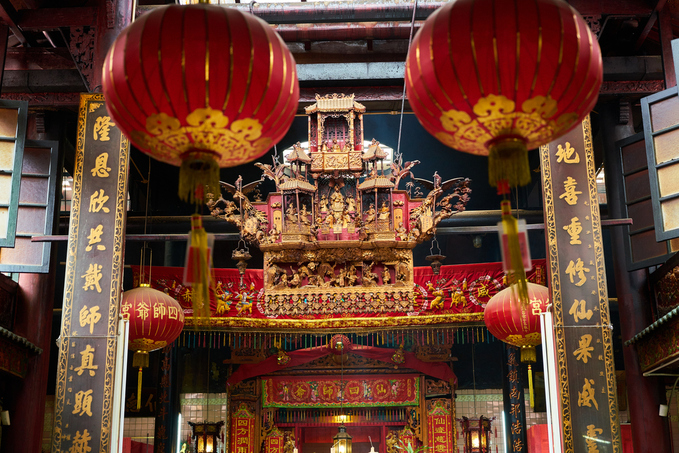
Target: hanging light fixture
435,256
206,436
476,432
342,440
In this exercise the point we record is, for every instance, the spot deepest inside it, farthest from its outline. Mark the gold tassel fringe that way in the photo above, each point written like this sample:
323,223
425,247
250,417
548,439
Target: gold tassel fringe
198,174
530,387
198,270
517,273
140,360
508,160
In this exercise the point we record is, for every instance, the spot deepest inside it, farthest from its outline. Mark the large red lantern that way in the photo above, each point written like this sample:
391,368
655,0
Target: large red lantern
497,78
156,320
516,323
201,86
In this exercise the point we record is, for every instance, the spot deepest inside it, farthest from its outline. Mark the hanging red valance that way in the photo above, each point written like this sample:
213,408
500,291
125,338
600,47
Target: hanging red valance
300,357
458,294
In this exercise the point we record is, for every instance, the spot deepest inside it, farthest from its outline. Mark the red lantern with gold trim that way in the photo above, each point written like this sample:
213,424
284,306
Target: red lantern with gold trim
516,323
156,320
201,86
498,78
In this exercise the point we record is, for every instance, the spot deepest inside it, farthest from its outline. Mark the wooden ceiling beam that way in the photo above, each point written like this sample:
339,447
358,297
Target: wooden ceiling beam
38,58
9,16
649,24
52,18
601,7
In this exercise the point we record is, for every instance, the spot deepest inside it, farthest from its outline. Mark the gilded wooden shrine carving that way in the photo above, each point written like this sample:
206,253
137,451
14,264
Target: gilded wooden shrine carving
338,233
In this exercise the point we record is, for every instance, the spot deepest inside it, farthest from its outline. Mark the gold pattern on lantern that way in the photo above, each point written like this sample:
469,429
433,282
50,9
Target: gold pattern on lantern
145,344
530,339
497,116
235,142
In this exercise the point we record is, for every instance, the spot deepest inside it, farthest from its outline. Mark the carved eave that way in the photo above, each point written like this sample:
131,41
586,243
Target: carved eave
335,103
296,184
374,152
376,183
298,154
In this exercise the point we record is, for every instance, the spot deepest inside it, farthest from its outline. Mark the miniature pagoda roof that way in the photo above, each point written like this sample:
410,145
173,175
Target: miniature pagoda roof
334,103
297,184
380,182
374,152
298,154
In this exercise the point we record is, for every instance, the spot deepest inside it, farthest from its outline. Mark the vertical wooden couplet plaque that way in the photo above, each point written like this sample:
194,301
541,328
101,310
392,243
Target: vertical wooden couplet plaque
514,401
580,300
94,265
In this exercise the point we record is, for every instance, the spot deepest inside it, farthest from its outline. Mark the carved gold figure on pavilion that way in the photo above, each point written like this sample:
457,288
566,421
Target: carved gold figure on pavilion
338,233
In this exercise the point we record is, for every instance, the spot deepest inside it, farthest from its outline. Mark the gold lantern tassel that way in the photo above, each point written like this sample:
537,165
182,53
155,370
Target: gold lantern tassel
528,355
197,270
199,171
140,360
508,160
517,273
530,386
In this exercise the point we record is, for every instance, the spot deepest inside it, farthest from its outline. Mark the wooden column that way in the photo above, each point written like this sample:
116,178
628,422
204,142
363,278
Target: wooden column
93,284
645,393
584,350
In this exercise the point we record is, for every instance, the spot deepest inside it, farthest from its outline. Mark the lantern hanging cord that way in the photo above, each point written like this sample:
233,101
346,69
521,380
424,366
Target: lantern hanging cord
474,378
146,217
403,96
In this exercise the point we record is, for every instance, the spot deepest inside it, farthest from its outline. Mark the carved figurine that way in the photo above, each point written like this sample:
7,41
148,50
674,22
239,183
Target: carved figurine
401,232
351,275
369,277
291,213
337,204
323,205
351,203
304,215
386,276
384,211
274,234
370,214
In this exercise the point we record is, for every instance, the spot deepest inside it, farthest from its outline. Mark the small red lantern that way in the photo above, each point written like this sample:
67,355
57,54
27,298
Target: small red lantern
156,320
516,323
498,78
201,86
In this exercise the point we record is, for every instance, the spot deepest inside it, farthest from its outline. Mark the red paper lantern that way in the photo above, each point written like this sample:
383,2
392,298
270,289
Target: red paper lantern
497,78
515,323
201,86
156,320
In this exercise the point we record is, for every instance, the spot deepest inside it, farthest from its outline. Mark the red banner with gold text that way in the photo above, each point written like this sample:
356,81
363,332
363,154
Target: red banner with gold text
359,391
243,430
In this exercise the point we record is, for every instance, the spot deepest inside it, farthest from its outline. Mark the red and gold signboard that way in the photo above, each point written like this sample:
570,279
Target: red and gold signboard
275,441
84,394
578,284
440,422
243,430
363,391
